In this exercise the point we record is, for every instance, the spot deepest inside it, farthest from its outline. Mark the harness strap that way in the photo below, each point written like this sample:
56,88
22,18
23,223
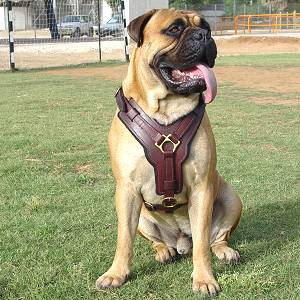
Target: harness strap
166,147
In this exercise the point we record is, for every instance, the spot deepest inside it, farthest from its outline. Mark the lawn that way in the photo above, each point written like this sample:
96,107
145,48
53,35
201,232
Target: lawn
57,219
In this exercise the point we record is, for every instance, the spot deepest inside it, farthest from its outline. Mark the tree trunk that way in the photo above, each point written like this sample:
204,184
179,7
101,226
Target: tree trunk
51,19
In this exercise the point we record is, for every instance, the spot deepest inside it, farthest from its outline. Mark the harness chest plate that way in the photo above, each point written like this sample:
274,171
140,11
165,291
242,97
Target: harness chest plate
165,147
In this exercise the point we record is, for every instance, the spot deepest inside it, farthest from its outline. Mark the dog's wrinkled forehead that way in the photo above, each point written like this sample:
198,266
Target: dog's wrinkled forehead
153,22
192,17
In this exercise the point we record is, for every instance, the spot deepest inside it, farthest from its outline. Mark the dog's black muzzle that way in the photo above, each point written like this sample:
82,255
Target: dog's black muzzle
196,46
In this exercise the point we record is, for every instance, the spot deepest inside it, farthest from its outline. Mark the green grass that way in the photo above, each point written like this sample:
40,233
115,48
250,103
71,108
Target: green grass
263,60
57,219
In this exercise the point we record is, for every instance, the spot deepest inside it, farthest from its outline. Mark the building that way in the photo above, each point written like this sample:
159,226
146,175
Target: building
31,14
22,15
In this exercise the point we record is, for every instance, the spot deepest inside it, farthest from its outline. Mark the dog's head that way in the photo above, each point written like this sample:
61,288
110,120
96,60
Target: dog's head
179,49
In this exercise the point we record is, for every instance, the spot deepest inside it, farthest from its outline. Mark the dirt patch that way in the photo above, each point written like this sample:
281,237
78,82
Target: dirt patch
26,61
247,45
276,101
84,168
272,148
110,73
285,80
245,77
41,55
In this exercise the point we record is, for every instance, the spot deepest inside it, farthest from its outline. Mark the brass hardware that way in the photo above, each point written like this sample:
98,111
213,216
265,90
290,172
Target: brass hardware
169,202
166,140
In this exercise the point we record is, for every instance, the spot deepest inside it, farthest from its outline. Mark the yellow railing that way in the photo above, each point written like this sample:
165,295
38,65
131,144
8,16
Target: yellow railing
273,22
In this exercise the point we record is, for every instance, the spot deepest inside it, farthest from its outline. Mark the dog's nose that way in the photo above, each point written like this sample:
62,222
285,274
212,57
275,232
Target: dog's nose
200,34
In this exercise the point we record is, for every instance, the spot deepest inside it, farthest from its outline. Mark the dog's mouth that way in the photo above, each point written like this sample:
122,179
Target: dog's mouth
195,79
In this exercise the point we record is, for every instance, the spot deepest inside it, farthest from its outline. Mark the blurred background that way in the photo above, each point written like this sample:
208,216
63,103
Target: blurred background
60,32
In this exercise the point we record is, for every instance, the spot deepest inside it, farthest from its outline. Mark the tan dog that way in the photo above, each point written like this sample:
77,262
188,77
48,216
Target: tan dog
169,41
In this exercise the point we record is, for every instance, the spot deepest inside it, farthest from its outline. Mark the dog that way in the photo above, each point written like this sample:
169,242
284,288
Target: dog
172,48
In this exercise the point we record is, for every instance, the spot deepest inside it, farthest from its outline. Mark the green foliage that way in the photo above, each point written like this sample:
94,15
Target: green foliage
190,4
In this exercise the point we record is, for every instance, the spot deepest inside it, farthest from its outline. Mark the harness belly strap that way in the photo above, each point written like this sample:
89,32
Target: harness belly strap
165,147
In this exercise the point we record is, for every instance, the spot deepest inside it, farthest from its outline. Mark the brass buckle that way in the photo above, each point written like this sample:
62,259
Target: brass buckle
166,140
169,202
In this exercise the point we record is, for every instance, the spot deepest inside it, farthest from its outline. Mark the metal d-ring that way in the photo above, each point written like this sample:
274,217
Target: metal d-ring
166,140
169,202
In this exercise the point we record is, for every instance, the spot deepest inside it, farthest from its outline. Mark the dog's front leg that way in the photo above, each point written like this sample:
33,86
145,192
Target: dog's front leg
200,214
128,207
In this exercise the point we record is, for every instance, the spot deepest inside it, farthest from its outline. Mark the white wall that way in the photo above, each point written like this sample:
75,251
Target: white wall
19,17
135,8
2,18
106,12
22,18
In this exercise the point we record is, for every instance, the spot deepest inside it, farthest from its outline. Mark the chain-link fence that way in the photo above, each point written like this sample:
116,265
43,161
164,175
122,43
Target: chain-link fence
62,32
255,16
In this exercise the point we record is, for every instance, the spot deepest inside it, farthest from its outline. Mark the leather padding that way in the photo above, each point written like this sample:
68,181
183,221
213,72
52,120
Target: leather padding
168,165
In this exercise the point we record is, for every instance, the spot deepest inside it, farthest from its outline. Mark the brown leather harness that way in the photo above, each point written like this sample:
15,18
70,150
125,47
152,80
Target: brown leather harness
166,147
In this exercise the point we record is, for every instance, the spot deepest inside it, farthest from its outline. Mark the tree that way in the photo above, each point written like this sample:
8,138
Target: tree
276,5
51,19
190,4
114,5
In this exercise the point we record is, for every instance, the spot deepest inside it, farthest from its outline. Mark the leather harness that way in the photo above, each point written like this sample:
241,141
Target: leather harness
165,147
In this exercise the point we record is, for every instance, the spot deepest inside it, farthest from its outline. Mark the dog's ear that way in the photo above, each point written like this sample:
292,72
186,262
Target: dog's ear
204,24
211,52
211,47
136,27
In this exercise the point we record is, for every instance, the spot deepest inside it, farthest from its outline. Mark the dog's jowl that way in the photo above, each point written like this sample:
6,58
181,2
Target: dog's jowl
163,151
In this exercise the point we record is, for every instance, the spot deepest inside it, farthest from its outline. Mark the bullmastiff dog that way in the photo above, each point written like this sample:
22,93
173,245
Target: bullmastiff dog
169,68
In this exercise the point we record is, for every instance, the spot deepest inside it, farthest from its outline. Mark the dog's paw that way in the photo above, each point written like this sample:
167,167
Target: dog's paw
208,287
110,280
164,254
226,254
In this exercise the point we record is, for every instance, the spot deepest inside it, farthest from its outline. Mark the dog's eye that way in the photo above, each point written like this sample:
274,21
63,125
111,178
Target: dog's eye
174,29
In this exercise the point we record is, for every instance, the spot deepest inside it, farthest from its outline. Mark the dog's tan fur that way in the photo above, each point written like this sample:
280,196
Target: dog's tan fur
213,209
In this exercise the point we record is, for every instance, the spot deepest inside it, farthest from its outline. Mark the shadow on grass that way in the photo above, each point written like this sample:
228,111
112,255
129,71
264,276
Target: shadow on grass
263,229
266,228
152,267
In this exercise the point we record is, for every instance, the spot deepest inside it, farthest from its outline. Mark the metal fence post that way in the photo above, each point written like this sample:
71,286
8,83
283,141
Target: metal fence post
294,19
10,35
234,8
270,12
280,21
236,24
125,31
215,19
99,28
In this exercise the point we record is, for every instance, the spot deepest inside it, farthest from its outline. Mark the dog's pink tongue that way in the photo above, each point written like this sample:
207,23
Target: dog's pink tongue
210,81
